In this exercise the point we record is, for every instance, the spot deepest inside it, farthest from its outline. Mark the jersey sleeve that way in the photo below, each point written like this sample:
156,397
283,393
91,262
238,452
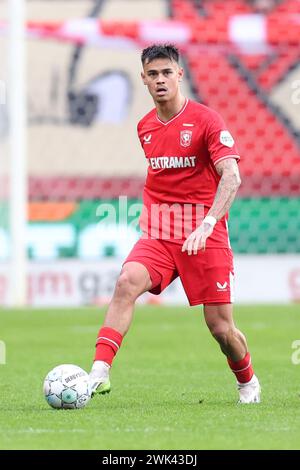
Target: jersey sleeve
220,142
138,129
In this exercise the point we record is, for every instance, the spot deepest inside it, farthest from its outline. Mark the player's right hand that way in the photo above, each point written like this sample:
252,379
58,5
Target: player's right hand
197,239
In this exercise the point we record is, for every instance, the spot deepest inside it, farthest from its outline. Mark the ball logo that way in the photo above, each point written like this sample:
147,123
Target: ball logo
226,139
74,376
186,138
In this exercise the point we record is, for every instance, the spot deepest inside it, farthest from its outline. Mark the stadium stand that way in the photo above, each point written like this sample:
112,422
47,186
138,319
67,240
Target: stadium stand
250,88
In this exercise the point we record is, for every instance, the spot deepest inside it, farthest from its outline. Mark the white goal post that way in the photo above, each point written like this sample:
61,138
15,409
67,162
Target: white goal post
16,91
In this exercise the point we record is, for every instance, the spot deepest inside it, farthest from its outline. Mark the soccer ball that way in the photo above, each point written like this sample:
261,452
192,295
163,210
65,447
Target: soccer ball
67,386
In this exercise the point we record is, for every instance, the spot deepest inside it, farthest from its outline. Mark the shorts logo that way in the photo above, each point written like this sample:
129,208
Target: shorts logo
186,138
226,139
221,287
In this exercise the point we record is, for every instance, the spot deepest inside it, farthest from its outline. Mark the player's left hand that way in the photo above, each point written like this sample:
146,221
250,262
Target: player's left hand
197,239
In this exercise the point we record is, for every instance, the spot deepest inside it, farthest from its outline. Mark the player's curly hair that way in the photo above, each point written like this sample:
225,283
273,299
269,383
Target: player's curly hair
160,51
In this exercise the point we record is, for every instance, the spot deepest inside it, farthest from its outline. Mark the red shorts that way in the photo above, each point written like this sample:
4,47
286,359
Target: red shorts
206,277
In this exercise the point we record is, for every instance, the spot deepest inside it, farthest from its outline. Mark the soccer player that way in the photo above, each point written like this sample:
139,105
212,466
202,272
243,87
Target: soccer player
192,164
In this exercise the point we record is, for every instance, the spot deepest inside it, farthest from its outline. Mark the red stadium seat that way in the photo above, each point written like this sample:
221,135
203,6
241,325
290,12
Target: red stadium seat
262,137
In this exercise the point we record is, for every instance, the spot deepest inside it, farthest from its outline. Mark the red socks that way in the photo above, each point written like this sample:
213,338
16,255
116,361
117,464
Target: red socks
107,345
242,369
110,340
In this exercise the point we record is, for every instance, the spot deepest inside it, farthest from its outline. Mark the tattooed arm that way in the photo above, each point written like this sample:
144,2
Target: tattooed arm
227,189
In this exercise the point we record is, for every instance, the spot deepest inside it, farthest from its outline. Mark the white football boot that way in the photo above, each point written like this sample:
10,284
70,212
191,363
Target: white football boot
249,391
99,378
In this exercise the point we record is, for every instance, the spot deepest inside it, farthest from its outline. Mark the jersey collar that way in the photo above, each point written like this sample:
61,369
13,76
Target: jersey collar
176,115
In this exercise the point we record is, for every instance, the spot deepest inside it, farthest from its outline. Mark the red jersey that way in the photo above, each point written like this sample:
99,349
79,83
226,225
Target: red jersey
182,154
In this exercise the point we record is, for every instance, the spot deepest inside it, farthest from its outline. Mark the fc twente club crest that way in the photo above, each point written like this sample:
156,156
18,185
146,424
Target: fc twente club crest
186,138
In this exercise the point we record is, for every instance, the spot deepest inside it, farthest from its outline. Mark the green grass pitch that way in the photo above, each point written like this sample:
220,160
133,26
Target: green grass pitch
171,387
